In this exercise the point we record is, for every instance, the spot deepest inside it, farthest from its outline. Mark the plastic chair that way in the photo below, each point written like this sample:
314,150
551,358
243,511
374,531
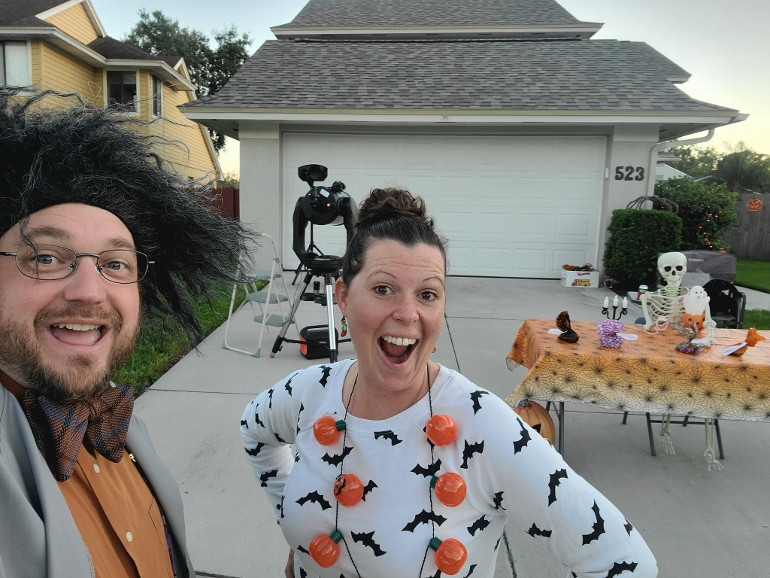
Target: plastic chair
265,296
727,304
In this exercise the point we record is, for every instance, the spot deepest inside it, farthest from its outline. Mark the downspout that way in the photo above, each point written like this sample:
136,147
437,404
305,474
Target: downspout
667,145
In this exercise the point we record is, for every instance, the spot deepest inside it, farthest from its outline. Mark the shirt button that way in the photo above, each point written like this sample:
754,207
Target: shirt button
129,536
97,469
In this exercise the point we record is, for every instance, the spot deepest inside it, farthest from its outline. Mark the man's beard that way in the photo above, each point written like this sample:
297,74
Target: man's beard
23,360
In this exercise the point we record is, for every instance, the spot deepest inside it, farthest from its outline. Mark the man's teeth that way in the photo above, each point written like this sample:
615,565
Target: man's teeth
76,326
399,340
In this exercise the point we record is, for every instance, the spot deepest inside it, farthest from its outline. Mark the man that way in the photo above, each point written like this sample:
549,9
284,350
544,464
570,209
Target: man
94,231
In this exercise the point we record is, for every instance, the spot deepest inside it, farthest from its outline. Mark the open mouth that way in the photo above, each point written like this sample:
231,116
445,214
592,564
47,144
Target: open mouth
77,333
397,349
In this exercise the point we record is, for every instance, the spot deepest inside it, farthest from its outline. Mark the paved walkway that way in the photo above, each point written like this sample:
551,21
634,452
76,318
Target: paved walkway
698,523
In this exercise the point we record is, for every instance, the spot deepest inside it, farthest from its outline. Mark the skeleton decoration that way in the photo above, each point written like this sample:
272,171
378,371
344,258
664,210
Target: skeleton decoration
669,302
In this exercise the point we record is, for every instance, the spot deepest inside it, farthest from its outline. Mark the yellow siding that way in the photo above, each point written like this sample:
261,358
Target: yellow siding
61,72
75,22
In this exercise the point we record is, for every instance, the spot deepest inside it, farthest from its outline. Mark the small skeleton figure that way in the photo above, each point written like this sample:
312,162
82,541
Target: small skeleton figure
669,301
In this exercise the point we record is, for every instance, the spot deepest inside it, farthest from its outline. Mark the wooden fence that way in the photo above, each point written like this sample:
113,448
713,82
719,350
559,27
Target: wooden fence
751,238
227,201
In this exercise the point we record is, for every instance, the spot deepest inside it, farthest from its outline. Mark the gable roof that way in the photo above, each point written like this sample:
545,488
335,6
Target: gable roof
115,49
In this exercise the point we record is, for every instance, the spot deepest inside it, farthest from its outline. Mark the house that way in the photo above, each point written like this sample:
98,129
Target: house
520,131
62,45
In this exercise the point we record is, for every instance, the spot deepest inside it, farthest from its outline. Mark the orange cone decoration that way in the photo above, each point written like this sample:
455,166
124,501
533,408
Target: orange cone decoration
327,430
450,489
348,489
441,430
450,555
325,549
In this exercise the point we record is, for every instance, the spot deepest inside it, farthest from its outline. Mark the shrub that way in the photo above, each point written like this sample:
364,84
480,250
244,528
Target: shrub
707,211
636,239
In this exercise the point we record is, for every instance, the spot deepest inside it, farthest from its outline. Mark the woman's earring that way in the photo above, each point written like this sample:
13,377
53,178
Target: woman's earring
344,328
434,349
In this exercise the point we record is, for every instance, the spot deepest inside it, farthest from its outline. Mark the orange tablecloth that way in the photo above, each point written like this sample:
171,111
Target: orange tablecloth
646,375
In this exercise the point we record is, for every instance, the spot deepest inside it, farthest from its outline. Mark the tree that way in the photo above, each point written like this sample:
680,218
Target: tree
696,162
744,169
209,68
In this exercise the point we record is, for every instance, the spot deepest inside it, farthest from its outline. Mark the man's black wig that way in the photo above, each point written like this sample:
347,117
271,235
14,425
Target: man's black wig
56,149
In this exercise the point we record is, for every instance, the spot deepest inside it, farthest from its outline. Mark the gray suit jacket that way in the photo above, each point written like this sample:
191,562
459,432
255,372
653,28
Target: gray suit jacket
38,536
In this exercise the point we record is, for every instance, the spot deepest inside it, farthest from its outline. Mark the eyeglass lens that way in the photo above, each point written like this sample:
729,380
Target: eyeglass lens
55,262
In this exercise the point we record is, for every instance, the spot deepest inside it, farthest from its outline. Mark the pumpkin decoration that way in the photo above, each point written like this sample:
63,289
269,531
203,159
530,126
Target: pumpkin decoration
326,430
348,489
754,205
450,489
450,555
441,430
324,548
536,416
694,321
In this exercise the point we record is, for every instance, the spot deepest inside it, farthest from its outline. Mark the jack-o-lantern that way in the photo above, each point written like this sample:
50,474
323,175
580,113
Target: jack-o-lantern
754,205
690,320
536,416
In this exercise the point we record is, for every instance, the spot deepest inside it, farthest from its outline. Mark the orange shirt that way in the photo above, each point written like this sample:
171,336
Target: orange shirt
118,518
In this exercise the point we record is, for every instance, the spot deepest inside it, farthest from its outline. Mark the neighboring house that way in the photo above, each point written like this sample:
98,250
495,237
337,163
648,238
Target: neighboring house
61,45
521,132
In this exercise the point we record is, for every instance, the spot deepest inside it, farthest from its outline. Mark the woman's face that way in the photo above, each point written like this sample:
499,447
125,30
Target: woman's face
395,310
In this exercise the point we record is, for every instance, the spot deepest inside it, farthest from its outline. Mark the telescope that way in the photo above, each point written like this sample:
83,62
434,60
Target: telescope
320,206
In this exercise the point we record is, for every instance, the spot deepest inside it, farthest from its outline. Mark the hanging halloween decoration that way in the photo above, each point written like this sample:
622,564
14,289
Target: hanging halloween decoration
754,205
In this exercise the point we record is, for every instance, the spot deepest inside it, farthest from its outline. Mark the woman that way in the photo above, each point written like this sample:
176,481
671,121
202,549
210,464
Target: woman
368,495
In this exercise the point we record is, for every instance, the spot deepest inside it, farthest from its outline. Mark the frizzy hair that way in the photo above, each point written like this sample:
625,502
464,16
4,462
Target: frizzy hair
389,214
56,149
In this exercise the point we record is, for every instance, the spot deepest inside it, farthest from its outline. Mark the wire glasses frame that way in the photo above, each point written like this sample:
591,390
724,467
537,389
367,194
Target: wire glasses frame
50,262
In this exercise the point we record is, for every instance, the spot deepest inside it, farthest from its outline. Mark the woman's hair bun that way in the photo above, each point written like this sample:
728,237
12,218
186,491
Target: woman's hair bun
390,203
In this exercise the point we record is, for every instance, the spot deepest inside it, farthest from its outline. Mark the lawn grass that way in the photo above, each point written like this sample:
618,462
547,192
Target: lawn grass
753,274
160,344
757,318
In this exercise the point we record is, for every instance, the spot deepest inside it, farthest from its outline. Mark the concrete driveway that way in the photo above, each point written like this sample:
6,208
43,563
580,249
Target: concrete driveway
699,523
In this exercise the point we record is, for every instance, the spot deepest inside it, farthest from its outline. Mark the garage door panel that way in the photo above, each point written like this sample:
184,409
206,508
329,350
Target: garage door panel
509,206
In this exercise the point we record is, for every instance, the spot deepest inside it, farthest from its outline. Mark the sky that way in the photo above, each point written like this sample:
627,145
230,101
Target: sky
723,44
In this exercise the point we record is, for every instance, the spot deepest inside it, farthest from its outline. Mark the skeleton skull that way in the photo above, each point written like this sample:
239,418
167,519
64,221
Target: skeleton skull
672,266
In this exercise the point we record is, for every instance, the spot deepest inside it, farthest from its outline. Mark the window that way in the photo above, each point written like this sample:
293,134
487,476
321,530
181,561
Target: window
121,90
14,64
157,96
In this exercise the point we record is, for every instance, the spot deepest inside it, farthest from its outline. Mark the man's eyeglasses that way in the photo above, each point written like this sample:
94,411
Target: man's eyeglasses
49,262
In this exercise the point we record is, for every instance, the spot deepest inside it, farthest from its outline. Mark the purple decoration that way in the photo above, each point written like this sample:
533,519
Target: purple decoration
608,333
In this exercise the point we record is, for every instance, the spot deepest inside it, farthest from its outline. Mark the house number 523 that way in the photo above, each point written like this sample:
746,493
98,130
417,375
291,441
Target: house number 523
629,173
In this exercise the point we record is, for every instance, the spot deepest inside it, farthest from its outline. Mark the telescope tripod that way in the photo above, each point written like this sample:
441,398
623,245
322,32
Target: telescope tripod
328,267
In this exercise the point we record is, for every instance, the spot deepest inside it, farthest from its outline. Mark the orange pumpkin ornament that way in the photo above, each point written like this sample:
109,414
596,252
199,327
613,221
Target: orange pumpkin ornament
441,430
325,550
754,205
327,430
537,418
450,489
450,555
348,489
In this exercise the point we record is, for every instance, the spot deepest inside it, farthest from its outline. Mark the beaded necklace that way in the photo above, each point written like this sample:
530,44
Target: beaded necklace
450,489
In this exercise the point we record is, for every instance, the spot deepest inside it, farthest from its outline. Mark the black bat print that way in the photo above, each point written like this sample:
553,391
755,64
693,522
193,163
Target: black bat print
619,567
337,459
326,371
279,438
301,549
368,488
244,423
469,450
499,500
287,386
280,507
388,435
535,531
470,571
598,526
555,480
367,539
256,450
299,413
428,472
523,441
476,398
315,498
478,525
256,416
266,476
628,527
424,517
302,573
270,397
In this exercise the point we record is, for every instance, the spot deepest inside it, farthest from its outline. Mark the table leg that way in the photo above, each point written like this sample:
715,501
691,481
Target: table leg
561,428
649,433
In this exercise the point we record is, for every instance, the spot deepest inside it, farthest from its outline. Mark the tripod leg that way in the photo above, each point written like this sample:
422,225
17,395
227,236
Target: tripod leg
328,280
290,318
